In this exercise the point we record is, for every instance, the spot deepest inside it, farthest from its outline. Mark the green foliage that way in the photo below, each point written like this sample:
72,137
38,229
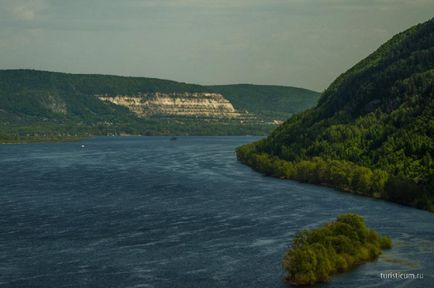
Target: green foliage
270,102
38,104
342,174
385,242
372,132
315,255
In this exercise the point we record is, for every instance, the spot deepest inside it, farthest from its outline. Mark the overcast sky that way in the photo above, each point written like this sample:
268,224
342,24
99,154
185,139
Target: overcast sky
305,43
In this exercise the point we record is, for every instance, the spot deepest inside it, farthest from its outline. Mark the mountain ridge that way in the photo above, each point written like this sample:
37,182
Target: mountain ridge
96,104
372,131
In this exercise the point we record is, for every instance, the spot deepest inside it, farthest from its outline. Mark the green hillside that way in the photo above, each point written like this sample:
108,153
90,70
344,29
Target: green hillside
27,92
45,106
269,101
372,132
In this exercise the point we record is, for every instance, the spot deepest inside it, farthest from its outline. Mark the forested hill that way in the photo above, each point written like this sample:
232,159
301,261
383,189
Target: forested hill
269,101
40,105
372,132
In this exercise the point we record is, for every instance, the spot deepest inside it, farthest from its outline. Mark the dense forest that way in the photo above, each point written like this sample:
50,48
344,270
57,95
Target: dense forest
372,132
315,255
42,106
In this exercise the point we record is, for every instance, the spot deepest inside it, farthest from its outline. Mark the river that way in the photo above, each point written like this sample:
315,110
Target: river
151,212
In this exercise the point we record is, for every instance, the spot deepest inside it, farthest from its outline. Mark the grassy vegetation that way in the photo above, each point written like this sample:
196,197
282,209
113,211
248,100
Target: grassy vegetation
316,255
372,132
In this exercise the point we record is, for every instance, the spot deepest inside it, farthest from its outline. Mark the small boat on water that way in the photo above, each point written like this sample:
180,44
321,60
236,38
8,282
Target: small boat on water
173,139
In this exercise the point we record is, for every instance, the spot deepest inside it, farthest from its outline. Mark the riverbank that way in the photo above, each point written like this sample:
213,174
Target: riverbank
342,175
43,140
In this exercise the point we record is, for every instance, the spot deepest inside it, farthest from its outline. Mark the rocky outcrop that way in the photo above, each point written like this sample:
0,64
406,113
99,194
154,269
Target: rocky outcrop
55,104
187,104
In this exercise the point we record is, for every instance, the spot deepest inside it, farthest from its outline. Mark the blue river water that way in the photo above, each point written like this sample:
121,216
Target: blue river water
150,212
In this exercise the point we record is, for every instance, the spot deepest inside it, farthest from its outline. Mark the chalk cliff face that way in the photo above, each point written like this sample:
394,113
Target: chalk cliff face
37,105
187,104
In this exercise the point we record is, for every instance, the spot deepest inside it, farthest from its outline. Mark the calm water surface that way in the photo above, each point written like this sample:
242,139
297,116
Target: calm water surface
149,212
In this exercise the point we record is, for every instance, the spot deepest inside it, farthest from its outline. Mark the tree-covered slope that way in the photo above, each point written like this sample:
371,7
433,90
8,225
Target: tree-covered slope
372,131
44,105
36,93
267,100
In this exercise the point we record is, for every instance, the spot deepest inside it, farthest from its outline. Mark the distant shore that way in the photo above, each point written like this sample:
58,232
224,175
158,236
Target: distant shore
31,140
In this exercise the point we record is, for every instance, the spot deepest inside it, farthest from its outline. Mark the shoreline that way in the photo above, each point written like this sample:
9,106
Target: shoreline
57,141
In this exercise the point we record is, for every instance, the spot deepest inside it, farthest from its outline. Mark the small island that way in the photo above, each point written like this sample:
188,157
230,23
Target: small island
336,247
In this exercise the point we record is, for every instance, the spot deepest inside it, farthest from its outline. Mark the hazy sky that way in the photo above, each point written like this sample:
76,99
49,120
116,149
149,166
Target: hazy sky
304,43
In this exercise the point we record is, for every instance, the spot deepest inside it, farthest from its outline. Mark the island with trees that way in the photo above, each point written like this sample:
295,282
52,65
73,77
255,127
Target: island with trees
336,247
